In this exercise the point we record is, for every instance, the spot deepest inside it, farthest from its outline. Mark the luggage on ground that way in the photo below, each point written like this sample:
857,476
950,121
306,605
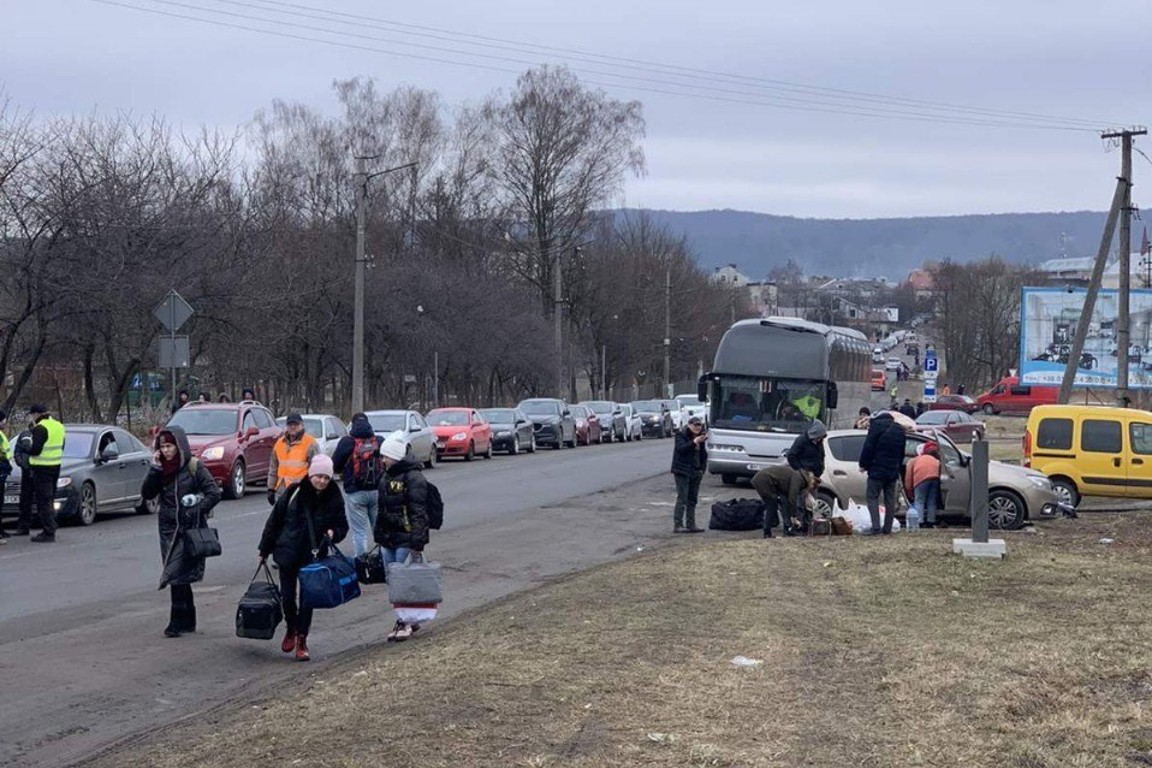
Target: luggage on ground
737,515
260,610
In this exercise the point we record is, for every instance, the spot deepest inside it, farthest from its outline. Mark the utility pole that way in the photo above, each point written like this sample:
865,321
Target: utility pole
604,371
361,181
667,333
1123,321
556,316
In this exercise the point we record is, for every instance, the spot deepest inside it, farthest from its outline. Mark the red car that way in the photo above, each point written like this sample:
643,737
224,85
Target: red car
588,429
234,440
959,426
955,403
879,381
461,432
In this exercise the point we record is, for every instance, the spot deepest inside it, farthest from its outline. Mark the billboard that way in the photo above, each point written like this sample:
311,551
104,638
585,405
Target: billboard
1048,321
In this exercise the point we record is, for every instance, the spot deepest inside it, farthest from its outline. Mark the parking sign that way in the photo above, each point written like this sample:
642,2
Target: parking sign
931,364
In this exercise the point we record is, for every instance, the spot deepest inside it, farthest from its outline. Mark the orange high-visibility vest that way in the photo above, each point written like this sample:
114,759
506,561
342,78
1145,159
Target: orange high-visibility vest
292,460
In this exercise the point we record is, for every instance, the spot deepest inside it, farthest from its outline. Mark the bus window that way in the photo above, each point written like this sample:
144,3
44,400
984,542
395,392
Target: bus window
778,405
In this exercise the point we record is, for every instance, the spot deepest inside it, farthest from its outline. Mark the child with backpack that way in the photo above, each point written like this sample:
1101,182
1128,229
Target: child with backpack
357,459
408,506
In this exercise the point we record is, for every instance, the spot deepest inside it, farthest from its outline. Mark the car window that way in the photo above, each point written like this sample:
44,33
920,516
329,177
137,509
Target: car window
1100,436
948,454
847,448
249,421
78,445
336,427
1022,391
107,440
419,420
1055,434
1140,435
262,417
128,443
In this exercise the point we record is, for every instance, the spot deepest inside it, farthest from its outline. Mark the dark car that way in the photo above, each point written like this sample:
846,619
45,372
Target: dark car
512,430
655,418
588,429
552,421
102,471
612,420
959,426
234,440
954,403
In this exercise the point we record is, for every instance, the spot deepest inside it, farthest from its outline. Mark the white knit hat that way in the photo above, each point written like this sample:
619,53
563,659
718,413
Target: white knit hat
395,446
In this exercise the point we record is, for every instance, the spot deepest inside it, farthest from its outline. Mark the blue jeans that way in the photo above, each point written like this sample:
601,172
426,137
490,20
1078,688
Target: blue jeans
926,495
361,507
398,555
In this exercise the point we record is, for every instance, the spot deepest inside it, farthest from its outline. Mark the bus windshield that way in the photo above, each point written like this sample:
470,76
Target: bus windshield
767,405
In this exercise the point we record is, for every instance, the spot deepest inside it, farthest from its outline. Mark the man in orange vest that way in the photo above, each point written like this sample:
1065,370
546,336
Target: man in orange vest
290,457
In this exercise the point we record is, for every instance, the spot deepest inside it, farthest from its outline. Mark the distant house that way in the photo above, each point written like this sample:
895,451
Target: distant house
1068,271
764,296
923,285
729,275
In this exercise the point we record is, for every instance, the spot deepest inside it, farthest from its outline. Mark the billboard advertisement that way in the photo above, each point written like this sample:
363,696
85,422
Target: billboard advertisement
1048,321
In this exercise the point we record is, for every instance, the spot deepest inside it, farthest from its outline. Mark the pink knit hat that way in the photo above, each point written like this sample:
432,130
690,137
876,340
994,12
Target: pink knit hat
321,465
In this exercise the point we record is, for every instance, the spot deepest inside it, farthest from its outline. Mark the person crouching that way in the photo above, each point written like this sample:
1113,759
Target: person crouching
289,538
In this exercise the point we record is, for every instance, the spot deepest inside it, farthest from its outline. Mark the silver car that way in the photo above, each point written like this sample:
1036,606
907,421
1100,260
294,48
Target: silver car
1015,494
326,428
633,426
421,439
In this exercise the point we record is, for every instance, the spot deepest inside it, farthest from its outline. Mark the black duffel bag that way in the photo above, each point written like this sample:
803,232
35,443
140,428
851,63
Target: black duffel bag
259,611
737,515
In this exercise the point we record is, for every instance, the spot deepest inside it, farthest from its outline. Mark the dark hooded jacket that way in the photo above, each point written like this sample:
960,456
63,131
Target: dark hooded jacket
174,519
402,520
808,454
688,458
342,456
286,535
883,453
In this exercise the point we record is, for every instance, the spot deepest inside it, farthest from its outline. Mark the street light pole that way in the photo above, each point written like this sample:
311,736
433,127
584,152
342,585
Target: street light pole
556,317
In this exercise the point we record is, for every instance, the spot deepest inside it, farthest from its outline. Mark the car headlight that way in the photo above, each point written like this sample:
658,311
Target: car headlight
1040,482
460,436
503,434
64,482
215,453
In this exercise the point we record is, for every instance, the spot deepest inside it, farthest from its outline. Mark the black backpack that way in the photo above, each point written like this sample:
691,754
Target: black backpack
366,464
435,507
737,515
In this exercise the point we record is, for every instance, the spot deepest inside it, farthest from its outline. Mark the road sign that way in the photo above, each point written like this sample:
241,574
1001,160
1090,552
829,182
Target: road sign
173,312
175,352
931,364
930,390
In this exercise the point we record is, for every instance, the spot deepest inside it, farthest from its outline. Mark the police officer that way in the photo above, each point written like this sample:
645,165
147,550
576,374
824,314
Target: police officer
45,449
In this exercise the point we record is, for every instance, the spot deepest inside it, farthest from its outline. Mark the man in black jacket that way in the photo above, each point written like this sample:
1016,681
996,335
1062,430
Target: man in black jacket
689,460
882,458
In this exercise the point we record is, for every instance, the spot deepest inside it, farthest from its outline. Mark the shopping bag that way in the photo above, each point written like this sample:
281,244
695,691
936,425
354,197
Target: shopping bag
414,582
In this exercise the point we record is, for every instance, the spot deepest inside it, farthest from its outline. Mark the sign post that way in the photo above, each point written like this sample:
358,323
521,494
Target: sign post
174,351
931,371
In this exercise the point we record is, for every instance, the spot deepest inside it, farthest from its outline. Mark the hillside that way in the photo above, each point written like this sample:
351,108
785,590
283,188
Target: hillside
756,242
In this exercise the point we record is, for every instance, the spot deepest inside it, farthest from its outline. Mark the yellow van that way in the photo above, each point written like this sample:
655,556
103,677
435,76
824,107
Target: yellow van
1091,451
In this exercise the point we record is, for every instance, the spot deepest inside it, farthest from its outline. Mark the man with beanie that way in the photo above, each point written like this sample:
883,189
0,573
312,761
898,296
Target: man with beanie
402,522
689,460
290,457
5,469
44,447
308,516
357,459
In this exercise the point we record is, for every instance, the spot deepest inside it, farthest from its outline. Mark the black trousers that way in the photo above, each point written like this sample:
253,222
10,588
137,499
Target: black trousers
38,488
687,496
183,616
299,619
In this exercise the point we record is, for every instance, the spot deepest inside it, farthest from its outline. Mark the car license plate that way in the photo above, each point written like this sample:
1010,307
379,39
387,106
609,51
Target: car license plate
11,499
757,466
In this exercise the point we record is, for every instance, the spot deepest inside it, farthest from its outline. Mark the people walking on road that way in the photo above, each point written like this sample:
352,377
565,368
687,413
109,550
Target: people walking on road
922,482
248,394
312,504
187,494
402,521
882,456
863,418
43,446
908,409
689,460
290,457
181,400
357,460
5,469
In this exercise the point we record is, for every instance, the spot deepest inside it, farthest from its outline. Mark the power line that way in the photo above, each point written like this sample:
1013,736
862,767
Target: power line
779,102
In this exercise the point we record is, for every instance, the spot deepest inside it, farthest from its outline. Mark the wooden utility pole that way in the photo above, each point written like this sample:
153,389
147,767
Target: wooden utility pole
667,333
1123,320
360,179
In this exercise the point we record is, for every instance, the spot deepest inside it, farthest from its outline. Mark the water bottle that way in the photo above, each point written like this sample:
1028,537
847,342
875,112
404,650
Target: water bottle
912,519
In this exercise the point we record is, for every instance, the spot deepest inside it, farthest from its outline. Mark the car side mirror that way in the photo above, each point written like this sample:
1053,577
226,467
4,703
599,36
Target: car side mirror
109,454
414,428
252,431
566,412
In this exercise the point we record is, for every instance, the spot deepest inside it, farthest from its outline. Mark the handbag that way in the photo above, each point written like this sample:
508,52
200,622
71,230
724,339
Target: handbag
260,610
327,582
415,582
370,567
202,541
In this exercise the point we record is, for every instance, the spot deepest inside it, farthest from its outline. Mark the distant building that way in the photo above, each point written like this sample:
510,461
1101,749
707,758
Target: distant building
1070,271
764,296
729,275
922,282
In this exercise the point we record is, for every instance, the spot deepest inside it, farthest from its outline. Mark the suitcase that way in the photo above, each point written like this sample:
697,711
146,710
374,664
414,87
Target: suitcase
737,515
259,611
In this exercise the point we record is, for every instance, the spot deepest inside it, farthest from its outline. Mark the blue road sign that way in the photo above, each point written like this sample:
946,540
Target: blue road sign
931,364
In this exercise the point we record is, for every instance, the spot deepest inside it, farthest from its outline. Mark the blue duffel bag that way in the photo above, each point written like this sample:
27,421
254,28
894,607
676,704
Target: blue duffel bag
330,581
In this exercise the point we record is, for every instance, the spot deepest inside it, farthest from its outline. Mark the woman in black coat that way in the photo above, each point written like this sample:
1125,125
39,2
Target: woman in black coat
290,540
187,493
402,522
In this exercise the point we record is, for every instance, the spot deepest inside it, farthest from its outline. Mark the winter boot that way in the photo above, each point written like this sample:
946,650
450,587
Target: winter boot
302,648
288,644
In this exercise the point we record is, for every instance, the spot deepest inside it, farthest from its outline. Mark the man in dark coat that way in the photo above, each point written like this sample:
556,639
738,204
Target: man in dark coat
187,494
306,518
882,457
689,460
908,409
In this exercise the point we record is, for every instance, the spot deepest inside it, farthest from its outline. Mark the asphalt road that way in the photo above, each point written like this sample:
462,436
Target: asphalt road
83,660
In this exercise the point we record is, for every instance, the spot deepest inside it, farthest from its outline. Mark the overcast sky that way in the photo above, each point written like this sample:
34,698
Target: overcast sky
1060,58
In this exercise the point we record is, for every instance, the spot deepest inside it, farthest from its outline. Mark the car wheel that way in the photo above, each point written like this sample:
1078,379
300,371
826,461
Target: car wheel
86,511
471,452
488,453
431,462
515,449
532,445
236,481
1066,492
1006,511
149,507
571,443
825,504
988,409
728,479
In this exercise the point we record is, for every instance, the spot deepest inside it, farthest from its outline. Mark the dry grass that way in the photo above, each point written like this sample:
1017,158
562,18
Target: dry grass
875,653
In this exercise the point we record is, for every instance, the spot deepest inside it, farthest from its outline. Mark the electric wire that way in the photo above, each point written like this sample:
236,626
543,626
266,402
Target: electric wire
779,102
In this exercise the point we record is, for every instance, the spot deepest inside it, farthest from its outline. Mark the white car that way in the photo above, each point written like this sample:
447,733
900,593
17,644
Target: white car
632,419
678,418
326,428
690,406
